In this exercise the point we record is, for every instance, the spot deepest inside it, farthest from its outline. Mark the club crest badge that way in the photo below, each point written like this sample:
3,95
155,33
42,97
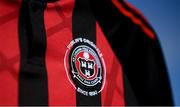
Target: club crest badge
85,67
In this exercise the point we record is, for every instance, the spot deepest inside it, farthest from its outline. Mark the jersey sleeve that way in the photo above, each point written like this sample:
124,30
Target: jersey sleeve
137,48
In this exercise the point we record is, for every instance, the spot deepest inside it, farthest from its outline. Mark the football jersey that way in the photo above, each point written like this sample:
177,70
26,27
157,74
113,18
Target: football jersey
79,53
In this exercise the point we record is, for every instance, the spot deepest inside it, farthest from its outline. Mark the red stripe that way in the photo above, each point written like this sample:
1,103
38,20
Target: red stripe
134,19
135,11
9,56
7,17
58,22
113,92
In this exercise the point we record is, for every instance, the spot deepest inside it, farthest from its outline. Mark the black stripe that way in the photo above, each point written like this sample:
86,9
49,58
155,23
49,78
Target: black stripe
33,88
84,26
117,29
84,23
130,97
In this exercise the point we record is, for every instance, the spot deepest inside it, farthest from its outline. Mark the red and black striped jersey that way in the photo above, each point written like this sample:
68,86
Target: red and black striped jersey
79,52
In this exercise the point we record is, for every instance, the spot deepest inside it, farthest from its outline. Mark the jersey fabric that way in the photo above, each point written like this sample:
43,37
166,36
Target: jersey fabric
79,52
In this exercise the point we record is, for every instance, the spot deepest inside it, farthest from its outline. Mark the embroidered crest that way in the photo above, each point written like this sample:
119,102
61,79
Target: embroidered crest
85,67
